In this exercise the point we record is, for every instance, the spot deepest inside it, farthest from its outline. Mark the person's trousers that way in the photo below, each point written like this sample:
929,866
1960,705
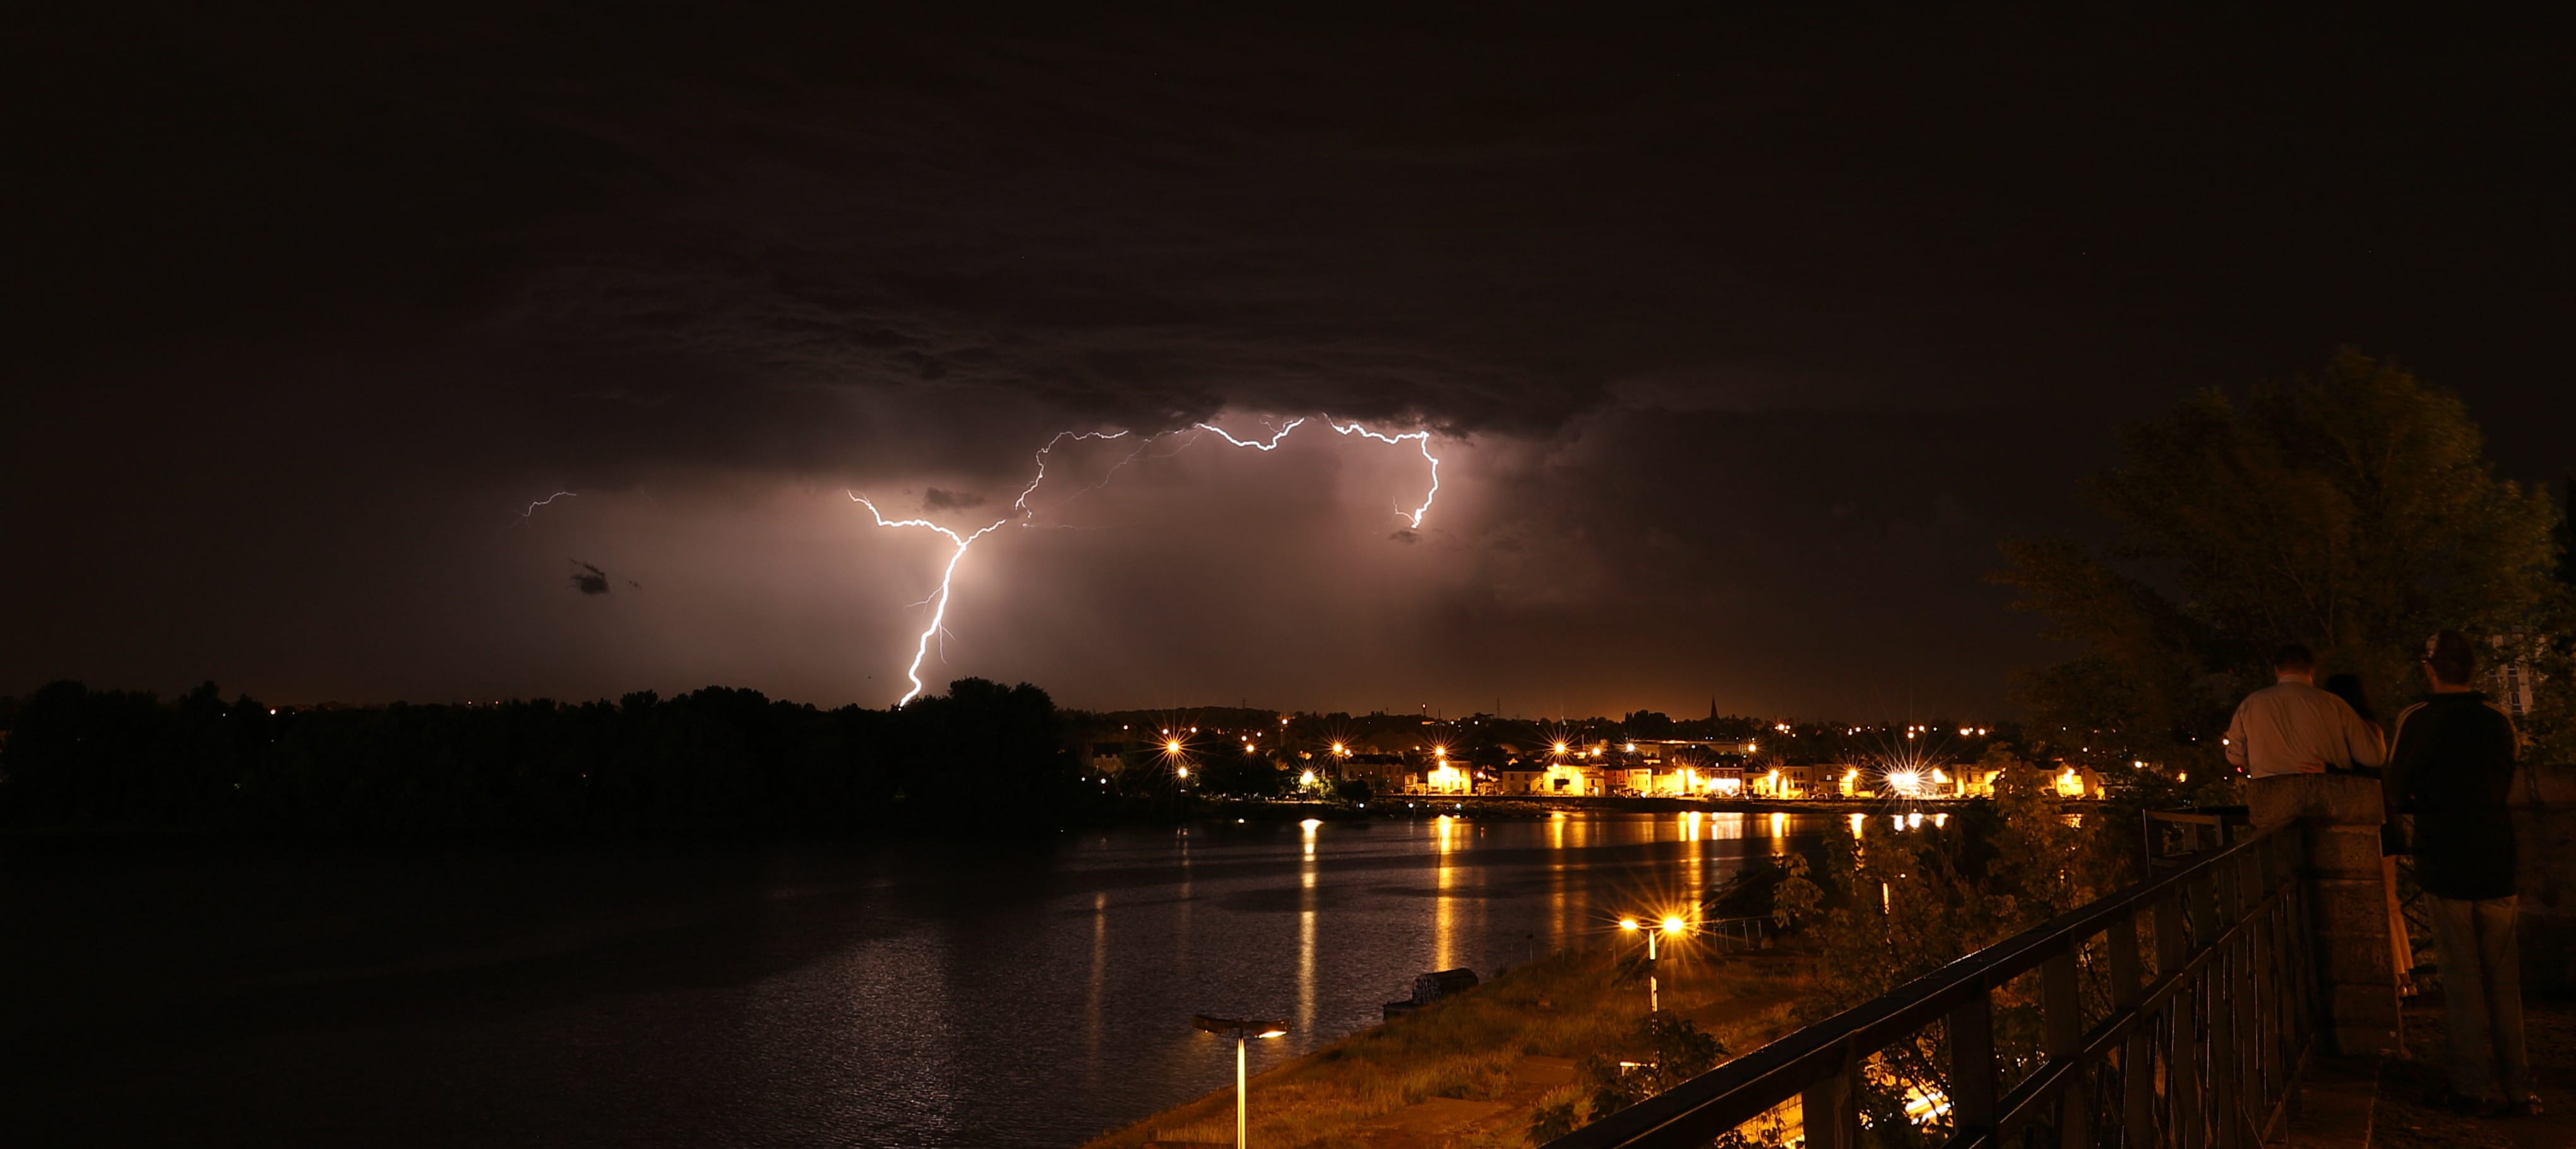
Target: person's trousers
2481,995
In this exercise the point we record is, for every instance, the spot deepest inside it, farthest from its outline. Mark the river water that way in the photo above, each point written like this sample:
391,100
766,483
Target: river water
1005,992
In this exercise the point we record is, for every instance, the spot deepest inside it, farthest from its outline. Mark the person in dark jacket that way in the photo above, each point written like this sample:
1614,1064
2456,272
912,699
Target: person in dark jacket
2452,768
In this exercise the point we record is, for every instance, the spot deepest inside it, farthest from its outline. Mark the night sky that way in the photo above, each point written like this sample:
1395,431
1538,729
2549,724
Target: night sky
1743,336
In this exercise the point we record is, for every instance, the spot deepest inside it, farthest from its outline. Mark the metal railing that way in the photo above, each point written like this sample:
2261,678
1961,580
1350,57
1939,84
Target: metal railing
1735,933
2196,830
2196,1050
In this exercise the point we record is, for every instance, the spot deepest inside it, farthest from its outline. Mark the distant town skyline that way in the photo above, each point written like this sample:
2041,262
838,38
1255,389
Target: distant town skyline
445,356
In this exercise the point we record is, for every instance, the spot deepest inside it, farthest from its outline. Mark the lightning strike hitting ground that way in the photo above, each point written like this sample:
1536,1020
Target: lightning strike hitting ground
938,602
1022,512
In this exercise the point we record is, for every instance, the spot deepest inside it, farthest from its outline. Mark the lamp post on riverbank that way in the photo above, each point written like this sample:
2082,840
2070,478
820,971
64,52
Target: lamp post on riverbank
1670,925
1242,1032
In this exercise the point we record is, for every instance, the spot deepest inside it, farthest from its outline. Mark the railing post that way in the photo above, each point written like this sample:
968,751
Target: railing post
2061,1011
2186,1055
1971,1026
2173,1020
2137,1052
2245,997
1830,1108
2221,977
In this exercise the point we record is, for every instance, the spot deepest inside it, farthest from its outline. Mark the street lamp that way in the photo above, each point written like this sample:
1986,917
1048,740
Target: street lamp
1672,924
1242,1031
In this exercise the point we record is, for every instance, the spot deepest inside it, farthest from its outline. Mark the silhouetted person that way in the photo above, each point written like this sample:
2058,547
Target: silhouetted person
2291,727
2452,768
2349,688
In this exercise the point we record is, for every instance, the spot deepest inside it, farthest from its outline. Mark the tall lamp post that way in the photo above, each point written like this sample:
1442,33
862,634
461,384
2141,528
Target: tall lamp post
1672,924
1242,1032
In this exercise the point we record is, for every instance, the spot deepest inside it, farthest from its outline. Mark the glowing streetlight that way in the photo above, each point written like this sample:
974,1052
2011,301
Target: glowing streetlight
1673,925
1242,1032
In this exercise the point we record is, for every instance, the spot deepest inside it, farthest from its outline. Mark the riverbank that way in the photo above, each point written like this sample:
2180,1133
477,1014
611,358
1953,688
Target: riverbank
1471,1071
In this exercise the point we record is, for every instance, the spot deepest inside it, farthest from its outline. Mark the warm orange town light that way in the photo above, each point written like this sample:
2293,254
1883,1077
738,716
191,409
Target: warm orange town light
1672,925
1560,748
1627,923
1172,747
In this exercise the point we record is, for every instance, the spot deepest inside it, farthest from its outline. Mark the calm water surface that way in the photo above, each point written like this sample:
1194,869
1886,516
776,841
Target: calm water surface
997,993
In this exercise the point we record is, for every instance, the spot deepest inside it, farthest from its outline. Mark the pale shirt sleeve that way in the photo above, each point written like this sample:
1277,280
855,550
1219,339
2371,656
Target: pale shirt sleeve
2236,737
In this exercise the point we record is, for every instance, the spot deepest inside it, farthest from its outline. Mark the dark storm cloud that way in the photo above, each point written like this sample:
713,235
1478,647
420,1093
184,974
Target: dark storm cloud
589,579
934,499
747,229
1738,293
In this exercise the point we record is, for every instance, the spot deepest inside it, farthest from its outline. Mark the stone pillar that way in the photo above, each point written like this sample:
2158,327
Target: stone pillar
2544,838
2338,817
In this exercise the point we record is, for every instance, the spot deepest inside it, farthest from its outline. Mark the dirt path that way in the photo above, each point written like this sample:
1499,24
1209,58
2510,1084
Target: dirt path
1470,1072
1440,1122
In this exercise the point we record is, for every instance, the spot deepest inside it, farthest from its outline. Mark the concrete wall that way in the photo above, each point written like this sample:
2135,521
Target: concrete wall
2339,817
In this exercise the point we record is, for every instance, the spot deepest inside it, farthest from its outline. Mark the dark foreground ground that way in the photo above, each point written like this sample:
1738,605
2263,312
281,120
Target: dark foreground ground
2402,1118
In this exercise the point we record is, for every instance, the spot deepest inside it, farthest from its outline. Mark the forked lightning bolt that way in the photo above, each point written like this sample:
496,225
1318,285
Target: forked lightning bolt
939,601
1423,438
1021,512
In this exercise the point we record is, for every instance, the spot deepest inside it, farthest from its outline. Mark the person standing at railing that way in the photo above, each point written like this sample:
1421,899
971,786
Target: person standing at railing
2453,769
2291,727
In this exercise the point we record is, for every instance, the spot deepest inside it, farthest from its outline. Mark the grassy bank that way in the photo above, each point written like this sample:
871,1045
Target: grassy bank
1469,1071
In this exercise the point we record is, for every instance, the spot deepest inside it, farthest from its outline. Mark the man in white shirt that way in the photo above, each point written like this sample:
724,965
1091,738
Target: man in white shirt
2291,727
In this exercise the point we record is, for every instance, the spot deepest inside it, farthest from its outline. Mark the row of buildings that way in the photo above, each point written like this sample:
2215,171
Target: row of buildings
1659,768
1681,769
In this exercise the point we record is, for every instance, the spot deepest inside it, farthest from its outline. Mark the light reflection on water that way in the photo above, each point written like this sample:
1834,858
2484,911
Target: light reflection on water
913,993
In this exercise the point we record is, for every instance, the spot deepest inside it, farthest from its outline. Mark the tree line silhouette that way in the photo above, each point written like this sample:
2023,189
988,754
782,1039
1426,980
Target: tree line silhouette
715,759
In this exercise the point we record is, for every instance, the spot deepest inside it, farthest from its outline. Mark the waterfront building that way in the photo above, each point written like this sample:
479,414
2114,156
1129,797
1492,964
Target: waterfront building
1780,780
